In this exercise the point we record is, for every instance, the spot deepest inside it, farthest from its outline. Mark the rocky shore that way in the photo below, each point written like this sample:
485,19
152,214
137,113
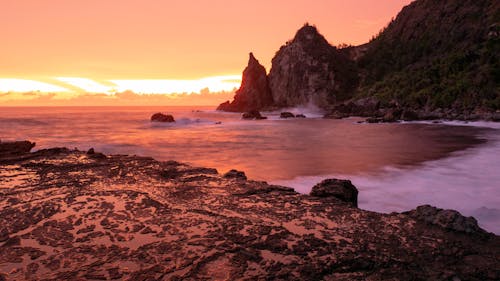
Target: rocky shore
378,112
74,215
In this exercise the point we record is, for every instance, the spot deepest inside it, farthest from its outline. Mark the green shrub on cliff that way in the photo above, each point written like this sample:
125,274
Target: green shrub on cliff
437,54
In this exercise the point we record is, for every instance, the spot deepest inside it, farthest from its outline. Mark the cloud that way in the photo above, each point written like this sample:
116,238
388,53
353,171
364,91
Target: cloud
86,85
26,85
30,94
125,98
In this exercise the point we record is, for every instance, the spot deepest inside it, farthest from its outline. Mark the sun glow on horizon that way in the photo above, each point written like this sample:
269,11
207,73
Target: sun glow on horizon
214,84
88,85
26,85
144,86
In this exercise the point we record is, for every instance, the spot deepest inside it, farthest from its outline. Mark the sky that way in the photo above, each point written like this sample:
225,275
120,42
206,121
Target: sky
56,51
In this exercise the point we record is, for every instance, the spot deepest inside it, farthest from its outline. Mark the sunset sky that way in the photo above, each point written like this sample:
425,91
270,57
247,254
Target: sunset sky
56,51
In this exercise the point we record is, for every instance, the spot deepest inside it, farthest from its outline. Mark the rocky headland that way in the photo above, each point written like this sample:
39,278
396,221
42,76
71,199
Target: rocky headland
434,60
74,215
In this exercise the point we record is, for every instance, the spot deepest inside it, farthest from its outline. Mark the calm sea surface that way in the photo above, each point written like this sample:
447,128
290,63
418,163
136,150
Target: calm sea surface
395,166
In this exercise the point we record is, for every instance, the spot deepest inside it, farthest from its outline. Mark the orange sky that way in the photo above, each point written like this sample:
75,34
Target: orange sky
104,40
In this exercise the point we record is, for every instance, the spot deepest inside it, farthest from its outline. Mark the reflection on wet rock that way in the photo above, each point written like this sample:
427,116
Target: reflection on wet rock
67,215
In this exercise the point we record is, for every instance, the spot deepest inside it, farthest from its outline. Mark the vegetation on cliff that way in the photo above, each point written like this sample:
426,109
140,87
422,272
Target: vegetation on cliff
437,54
439,58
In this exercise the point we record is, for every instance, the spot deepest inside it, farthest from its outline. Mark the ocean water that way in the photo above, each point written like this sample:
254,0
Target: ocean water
396,167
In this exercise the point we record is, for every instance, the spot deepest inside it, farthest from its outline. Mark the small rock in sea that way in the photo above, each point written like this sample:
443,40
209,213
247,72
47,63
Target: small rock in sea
340,189
160,117
235,174
300,116
285,115
218,123
253,114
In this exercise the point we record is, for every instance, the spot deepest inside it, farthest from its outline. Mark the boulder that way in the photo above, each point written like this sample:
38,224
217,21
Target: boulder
160,117
340,189
16,147
254,92
448,219
252,115
300,116
96,155
235,174
286,114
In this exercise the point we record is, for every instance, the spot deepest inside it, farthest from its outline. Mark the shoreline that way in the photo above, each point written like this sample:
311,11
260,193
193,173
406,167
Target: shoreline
148,214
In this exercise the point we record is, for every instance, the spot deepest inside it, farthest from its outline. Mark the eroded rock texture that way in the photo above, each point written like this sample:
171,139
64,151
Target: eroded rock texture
69,215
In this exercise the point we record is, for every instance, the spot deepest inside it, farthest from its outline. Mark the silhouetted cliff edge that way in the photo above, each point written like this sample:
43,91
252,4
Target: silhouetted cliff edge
436,59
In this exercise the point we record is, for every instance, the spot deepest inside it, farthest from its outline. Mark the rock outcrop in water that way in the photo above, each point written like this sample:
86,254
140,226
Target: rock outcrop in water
254,92
160,117
66,215
310,70
252,115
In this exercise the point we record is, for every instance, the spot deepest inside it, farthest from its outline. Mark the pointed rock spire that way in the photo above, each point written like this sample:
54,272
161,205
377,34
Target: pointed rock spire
254,93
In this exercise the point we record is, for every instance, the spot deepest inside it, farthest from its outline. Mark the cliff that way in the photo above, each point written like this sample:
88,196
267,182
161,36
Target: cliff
254,92
308,69
437,54
73,215
436,59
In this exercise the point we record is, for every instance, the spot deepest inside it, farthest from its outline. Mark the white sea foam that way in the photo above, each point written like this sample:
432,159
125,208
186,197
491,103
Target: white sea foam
309,110
467,181
283,149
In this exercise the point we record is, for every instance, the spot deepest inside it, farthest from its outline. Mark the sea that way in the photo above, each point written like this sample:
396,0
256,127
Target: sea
396,167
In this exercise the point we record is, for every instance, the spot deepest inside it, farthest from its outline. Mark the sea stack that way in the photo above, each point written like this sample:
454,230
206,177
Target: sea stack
309,69
254,92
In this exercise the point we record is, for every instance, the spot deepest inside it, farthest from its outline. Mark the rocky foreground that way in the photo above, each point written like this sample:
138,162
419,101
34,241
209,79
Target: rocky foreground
73,215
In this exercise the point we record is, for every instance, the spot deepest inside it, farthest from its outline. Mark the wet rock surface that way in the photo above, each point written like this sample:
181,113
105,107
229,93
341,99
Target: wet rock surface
252,115
449,219
66,215
286,114
13,148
